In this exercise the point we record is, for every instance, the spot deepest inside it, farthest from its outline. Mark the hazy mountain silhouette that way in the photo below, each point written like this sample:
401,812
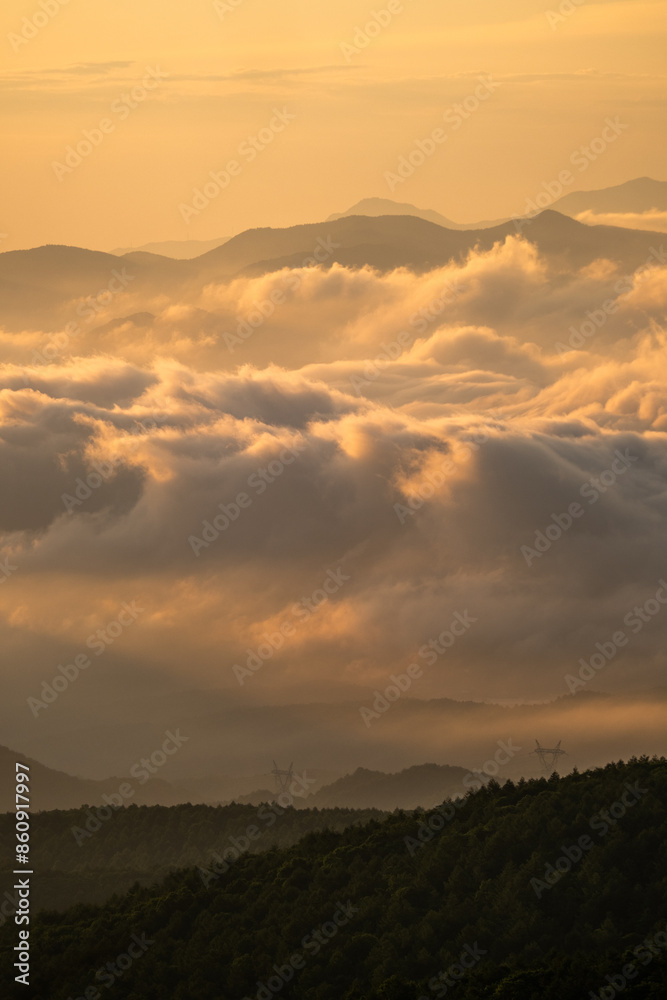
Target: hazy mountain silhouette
50,789
638,195
222,788
55,789
178,249
45,276
384,242
422,785
388,242
35,284
334,737
385,206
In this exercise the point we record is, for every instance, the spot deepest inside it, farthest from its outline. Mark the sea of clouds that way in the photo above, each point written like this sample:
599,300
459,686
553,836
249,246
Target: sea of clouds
418,433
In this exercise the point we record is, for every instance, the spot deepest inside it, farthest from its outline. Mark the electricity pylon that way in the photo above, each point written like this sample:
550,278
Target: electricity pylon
548,756
283,778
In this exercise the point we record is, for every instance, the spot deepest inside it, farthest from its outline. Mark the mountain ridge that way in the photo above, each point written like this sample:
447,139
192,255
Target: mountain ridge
54,789
552,885
50,286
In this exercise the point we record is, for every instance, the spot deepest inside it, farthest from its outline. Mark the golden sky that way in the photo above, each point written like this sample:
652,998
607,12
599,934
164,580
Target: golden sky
228,66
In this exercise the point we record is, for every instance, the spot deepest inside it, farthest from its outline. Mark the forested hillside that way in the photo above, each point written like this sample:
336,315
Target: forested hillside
541,890
85,855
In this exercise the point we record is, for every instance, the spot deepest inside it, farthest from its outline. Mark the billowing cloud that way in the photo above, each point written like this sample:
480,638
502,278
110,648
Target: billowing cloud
655,220
381,454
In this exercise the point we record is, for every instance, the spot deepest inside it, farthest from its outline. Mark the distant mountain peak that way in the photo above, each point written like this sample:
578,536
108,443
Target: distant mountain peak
636,196
385,206
177,249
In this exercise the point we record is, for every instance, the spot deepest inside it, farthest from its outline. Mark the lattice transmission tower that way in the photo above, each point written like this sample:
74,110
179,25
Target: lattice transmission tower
548,756
283,778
